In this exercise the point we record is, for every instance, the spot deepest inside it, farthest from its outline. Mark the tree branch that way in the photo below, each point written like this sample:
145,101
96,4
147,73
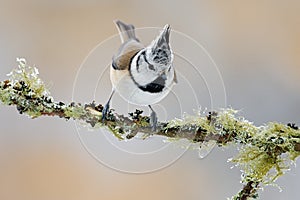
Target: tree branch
263,149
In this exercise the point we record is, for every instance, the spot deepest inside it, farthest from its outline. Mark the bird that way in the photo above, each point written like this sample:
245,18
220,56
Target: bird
142,74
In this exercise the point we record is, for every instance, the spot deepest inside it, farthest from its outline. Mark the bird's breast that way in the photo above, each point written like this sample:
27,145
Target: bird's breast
140,95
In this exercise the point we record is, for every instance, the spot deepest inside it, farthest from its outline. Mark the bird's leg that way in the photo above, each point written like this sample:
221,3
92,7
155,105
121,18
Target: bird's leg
106,107
153,119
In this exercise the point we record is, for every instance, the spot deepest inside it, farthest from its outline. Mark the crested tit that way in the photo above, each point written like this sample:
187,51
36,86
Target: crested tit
142,75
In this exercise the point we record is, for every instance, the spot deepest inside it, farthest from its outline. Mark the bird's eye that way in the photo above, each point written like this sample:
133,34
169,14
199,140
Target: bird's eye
151,67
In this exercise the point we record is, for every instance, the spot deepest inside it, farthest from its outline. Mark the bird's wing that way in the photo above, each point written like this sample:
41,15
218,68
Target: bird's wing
130,46
127,50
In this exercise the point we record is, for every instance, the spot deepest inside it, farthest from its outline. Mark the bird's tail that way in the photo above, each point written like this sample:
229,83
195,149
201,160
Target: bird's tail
126,31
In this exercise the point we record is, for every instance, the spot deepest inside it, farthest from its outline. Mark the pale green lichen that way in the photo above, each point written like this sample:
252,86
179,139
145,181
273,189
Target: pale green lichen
25,89
256,163
75,112
190,122
269,153
29,75
265,152
117,131
5,95
239,125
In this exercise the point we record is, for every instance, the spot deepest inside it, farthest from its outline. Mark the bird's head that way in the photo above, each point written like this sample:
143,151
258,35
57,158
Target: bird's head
159,53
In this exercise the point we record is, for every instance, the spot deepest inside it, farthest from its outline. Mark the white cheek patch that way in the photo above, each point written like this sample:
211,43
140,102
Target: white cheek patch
140,72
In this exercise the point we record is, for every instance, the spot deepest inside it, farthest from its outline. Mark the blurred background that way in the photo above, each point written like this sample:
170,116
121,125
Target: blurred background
255,44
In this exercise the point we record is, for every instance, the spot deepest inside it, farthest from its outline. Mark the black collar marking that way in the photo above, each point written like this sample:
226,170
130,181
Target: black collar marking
137,63
155,86
151,67
144,55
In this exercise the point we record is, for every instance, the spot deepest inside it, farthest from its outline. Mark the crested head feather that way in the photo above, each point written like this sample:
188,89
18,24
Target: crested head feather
159,50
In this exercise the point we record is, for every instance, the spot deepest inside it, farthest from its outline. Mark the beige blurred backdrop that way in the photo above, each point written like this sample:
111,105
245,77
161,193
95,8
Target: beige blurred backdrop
255,44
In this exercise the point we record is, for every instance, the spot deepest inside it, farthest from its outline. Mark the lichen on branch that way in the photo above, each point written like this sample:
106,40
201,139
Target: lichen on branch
265,152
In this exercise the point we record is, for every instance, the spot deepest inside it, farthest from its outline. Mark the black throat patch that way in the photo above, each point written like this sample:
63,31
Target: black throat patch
155,86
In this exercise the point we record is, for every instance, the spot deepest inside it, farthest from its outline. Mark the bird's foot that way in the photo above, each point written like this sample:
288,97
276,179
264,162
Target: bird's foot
153,120
105,111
